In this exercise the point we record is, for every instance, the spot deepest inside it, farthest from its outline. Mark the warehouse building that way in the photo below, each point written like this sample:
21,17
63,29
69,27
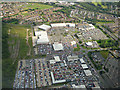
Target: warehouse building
44,27
72,58
42,37
84,66
81,87
87,72
89,43
57,58
57,46
58,25
70,24
56,81
82,61
92,44
62,25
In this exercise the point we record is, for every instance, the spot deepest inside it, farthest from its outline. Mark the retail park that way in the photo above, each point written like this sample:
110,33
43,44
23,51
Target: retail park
61,65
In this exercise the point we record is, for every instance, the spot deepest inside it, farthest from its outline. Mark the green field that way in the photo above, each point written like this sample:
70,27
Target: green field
104,22
99,3
104,54
37,6
18,33
14,48
78,48
25,14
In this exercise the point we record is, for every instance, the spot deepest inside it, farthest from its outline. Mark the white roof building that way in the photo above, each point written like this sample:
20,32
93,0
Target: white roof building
87,72
42,37
57,58
91,26
73,42
63,24
84,66
44,27
82,61
65,62
37,33
57,81
72,58
79,86
52,61
57,46
71,24
89,43
58,25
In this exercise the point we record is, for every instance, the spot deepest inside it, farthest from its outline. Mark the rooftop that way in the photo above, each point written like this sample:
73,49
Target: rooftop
84,66
42,37
89,43
87,72
57,58
57,81
81,60
71,58
57,46
79,86
44,27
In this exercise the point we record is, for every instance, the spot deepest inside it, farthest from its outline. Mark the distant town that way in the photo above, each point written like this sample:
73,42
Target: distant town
60,44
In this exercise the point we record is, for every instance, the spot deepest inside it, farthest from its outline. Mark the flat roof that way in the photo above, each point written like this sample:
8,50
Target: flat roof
71,58
42,37
89,43
87,72
84,66
73,42
52,61
62,24
44,27
57,46
71,24
58,25
81,60
57,58
79,86
57,81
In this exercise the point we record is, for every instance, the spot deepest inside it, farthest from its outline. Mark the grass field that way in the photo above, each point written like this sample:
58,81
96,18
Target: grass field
104,22
18,33
104,54
96,4
17,47
25,13
37,5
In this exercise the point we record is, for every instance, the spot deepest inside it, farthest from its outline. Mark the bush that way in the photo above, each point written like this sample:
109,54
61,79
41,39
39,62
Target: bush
80,42
108,43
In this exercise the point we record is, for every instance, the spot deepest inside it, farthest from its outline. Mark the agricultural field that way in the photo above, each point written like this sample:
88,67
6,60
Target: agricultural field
16,45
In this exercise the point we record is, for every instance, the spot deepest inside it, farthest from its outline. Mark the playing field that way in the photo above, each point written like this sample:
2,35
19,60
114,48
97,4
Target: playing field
17,45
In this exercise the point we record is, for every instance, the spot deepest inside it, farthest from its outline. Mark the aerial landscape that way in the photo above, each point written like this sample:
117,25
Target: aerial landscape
60,44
